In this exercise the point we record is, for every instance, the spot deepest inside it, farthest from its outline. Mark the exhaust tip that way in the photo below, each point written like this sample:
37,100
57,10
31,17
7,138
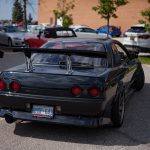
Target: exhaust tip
9,118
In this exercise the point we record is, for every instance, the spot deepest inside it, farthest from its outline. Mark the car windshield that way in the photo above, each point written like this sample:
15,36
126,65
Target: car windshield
76,61
12,29
137,29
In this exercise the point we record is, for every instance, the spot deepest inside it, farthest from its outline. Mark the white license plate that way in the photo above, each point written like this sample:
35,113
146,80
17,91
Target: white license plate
42,111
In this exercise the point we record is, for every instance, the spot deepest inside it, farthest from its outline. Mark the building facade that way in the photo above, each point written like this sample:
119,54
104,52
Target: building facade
84,15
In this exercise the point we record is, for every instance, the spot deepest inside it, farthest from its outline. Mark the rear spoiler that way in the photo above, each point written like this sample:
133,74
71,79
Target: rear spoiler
29,51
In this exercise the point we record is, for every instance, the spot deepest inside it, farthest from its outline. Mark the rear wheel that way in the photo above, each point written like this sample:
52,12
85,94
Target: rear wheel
118,109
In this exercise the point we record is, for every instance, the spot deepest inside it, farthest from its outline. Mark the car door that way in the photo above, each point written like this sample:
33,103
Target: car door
127,65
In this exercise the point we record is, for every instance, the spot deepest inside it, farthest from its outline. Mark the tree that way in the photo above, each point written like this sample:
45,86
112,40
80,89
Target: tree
63,7
107,8
146,14
17,12
25,13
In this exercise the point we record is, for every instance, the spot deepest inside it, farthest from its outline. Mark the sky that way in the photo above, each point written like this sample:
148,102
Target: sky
7,5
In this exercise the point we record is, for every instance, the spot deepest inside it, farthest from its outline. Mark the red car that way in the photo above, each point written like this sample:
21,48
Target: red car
48,34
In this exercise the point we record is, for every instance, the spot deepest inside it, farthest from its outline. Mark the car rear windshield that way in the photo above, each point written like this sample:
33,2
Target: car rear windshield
76,61
137,29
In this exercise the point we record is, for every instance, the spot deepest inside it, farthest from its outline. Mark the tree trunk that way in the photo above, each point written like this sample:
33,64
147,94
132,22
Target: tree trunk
108,25
25,14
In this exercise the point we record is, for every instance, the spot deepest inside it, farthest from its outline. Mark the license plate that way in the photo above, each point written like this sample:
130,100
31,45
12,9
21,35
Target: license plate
42,111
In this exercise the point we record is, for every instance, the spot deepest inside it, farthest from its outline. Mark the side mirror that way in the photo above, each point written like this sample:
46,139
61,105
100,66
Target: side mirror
134,55
134,52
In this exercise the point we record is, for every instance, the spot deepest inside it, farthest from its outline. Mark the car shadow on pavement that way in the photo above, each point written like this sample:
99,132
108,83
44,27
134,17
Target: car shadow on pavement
135,130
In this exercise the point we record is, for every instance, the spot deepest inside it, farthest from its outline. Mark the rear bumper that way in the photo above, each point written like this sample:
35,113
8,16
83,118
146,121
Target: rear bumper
58,119
68,106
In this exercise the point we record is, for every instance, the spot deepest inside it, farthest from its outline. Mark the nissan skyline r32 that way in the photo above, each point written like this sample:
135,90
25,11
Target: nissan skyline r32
84,82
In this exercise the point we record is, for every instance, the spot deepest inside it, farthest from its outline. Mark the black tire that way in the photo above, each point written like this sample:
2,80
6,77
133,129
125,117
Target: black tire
9,42
118,109
140,79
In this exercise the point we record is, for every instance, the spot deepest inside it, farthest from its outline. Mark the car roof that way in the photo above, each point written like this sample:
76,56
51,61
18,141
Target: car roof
78,26
138,25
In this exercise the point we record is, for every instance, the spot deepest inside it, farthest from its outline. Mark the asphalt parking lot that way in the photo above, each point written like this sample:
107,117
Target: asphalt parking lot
133,135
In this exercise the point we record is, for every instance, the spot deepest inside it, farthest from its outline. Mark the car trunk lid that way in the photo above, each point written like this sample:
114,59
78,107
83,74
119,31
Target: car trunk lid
55,82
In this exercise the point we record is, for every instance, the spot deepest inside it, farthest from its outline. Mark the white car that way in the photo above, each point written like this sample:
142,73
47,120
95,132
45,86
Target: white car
35,28
137,36
11,36
87,32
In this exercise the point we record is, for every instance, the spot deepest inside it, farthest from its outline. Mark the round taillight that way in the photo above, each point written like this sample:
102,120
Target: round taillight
76,91
15,86
94,92
2,85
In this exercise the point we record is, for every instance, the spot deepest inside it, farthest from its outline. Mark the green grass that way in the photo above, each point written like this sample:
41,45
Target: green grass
145,59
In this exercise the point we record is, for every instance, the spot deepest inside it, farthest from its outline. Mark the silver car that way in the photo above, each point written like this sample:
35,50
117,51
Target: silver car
12,36
87,32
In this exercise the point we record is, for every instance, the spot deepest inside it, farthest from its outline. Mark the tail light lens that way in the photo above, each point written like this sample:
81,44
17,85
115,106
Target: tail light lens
2,85
94,91
76,91
144,36
15,86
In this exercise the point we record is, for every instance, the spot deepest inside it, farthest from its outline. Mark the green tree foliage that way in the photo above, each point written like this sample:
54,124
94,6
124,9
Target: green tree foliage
107,8
146,14
17,12
63,7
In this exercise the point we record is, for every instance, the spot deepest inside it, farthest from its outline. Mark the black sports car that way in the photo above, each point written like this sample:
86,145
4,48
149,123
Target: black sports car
83,82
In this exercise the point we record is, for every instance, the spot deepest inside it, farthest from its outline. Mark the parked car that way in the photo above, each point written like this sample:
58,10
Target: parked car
35,28
113,31
137,36
12,36
48,34
87,32
71,81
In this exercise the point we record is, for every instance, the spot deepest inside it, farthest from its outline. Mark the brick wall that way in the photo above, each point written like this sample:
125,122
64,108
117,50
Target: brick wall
84,15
